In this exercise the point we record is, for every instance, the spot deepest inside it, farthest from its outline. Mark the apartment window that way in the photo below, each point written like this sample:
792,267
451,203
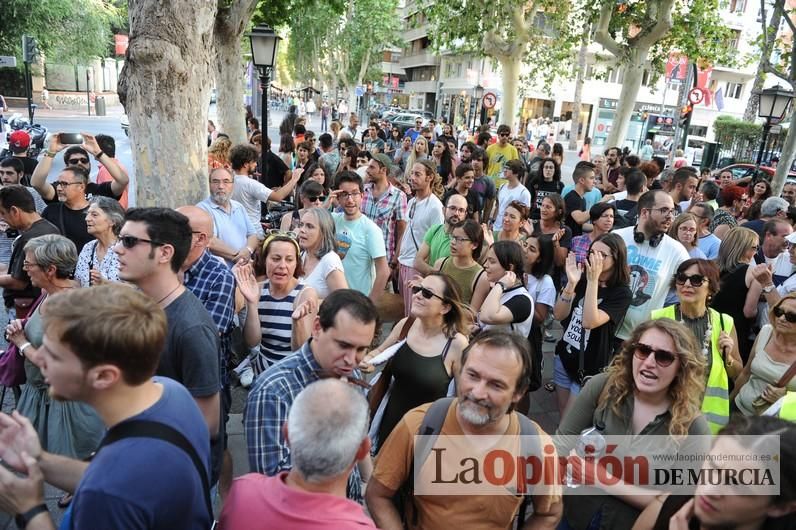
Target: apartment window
733,90
737,6
615,75
735,39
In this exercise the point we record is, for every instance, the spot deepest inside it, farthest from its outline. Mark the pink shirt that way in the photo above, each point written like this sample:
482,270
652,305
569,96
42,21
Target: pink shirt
260,502
103,175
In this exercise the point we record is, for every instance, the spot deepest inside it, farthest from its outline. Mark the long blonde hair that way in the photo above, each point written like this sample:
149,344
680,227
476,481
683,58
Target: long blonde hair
686,390
220,148
414,156
734,245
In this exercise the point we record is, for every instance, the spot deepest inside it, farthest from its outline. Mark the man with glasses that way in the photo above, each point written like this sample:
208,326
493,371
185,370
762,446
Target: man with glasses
360,242
69,213
152,247
415,132
499,153
18,210
653,258
234,237
463,185
437,241
708,243
385,205
250,192
78,155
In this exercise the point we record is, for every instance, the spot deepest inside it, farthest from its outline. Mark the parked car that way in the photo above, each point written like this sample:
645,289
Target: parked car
428,115
405,121
742,174
124,121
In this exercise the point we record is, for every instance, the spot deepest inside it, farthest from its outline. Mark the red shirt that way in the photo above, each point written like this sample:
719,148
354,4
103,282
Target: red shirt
103,175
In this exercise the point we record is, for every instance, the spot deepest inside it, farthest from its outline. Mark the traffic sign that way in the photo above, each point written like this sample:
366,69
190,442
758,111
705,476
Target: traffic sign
8,61
490,100
696,96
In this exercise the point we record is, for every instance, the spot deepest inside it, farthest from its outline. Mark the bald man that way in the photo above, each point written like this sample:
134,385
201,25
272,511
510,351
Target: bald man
209,279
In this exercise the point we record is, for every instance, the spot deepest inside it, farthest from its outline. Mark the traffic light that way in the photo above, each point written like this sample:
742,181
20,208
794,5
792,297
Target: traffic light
30,49
685,116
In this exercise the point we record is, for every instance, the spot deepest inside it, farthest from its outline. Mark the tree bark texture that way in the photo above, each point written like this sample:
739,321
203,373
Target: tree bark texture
579,79
510,68
750,114
634,73
163,87
785,159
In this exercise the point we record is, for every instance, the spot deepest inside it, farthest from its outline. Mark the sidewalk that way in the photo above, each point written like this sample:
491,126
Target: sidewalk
115,111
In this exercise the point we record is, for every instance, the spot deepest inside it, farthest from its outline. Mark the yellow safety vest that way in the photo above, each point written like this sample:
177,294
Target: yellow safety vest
716,403
788,409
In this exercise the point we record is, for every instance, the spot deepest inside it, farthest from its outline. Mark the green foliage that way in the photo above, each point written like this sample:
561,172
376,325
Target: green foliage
68,31
729,129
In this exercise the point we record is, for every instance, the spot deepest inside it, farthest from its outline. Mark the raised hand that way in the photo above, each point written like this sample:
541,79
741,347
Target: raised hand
307,307
247,282
90,144
574,270
489,237
594,266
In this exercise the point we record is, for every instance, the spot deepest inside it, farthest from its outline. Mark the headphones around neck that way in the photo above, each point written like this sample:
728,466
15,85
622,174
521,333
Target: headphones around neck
639,237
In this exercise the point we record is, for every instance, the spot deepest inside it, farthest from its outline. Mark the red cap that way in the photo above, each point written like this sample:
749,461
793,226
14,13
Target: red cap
19,140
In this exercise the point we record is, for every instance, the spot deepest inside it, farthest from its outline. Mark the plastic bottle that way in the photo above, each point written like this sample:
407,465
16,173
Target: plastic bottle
591,443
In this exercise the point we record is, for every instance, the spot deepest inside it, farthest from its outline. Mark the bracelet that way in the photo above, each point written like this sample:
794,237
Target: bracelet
23,519
99,155
565,299
22,348
51,154
502,287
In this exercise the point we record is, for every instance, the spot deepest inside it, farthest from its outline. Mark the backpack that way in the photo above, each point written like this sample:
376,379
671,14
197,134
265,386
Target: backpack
430,427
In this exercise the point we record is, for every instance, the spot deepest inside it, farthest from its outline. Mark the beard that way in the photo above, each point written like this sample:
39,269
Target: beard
472,410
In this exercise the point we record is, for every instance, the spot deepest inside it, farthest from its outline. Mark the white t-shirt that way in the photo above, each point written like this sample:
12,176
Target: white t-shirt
651,270
542,291
506,196
422,216
317,279
250,193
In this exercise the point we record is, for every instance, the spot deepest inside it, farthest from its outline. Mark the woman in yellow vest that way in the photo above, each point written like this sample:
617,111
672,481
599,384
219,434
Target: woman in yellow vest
695,282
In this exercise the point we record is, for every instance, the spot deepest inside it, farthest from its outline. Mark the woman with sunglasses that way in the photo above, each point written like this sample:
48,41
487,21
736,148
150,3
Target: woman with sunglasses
653,386
461,266
695,283
590,310
311,194
402,153
322,267
766,378
508,304
280,311
738,294
423,357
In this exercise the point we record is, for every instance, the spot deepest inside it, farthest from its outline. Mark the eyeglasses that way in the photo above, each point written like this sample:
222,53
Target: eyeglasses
315,198
274,232
131,241
790,317
666,212
75,161
29,265
427,293
696,280
346,196
457,240
58,183
504,135
458,210
663,358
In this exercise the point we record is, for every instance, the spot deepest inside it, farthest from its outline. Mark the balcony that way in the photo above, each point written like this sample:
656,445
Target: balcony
425,58
392,69
418,87
412,34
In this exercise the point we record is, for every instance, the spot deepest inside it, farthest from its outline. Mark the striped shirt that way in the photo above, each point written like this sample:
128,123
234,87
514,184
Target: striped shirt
276,325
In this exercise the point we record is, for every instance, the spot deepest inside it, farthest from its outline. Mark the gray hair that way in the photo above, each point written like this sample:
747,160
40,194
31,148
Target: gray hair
54,250
326,425
328,231
707,210
113,210
772,206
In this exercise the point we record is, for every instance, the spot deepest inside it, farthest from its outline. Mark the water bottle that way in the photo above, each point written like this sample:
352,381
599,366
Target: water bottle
593,439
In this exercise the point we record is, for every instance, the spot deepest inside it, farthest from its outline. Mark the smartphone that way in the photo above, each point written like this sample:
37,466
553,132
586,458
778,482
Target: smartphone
70,138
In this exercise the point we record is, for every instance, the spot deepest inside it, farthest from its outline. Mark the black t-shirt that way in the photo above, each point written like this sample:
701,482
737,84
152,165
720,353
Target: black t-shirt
71,223
472,200
29,165
539,190
572,202
273,174
39,228
92,190
598,341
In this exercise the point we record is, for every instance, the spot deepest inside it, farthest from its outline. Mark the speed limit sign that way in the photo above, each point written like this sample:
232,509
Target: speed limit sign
696,96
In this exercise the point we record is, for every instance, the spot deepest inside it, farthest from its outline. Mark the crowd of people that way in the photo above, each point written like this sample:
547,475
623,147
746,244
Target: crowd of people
674,290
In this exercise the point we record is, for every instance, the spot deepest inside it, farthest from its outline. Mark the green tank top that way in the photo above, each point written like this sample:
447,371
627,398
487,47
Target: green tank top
463,278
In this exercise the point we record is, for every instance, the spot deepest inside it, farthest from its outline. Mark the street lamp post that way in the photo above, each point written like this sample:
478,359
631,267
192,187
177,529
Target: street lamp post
774,104
478,94
264,43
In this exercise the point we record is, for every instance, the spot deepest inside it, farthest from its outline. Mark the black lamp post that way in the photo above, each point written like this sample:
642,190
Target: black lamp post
774,104
478,94
264,43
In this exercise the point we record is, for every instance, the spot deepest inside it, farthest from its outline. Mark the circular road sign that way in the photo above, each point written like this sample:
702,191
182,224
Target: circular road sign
695,96
490,100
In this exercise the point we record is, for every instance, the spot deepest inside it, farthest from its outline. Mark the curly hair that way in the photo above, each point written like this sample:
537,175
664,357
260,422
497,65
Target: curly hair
686,390
220,148
436,180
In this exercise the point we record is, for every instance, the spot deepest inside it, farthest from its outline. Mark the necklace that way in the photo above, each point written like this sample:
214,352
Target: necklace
696,325
170,293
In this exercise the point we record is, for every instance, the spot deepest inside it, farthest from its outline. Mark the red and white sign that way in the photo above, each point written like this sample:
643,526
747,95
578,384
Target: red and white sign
676,67
696,96
121,42
490,100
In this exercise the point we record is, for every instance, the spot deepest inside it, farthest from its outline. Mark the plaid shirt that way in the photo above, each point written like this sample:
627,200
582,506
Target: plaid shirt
385,211
213,284
267,406
580,246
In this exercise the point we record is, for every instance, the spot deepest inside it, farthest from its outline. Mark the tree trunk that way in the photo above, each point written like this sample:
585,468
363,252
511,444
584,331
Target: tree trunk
352,101
163,87
510,69
785,159
229,82
579,79
750,114
634,73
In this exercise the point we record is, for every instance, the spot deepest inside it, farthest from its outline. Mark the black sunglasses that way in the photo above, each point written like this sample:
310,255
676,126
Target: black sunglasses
696,280
790,317
131,241
427,293
662,357
74,161
313,198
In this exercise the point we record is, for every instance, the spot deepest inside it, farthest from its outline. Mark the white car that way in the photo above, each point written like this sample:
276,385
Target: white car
125,123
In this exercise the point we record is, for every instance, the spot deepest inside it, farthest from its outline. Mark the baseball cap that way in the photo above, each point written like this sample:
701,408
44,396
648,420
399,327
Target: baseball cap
383,159
19,140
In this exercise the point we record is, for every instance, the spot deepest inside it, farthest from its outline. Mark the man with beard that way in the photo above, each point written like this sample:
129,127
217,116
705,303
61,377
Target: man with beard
682,188
463,185
234,235
653,258
612,169
495,374
385,205
437,241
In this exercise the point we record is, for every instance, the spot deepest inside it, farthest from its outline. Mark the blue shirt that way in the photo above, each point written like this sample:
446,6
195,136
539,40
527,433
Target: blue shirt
146,483
231,227
591,197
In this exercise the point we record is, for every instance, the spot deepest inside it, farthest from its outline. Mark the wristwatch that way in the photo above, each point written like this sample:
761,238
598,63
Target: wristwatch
23,519
768,288
502,287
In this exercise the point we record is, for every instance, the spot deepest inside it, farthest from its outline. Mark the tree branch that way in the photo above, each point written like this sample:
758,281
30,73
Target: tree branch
522,25
601,35
771,69
646,39
240,13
